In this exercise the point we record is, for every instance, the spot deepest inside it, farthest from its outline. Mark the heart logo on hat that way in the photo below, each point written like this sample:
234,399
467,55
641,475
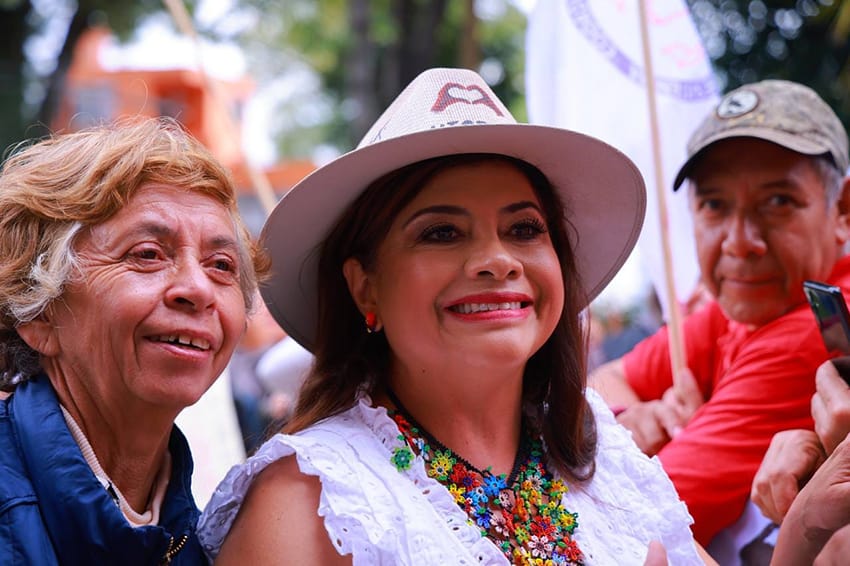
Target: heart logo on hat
471,95
454,93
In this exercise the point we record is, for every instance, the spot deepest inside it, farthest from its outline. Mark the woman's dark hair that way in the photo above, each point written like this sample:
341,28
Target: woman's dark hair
348,358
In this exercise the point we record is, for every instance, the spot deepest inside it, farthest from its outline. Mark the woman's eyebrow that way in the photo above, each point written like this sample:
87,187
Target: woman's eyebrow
437,209
460,211
221,242
149,228
523,204
162,231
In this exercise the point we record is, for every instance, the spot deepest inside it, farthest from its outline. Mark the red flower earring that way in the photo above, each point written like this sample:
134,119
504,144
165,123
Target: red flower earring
371,322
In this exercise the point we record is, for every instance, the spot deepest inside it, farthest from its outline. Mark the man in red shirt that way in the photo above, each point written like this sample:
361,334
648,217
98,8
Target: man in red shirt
771,208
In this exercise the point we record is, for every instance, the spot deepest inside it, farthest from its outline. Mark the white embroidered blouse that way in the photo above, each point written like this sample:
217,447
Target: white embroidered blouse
381,515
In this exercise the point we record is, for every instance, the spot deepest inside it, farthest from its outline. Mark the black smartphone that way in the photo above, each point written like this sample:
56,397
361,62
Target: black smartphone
830,311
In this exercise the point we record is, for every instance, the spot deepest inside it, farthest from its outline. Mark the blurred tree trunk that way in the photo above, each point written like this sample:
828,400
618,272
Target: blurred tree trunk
56,81
13,31
470,52
417,24
360,69
19,19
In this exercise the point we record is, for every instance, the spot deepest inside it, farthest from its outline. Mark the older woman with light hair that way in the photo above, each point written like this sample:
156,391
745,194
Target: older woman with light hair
126,277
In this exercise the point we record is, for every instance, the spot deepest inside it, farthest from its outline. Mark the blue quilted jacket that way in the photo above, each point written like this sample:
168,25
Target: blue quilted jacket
53,510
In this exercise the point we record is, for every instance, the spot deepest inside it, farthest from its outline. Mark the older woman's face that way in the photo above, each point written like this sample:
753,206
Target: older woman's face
159,309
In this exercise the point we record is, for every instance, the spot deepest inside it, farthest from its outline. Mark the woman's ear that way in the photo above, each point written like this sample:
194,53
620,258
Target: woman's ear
360,286
39,334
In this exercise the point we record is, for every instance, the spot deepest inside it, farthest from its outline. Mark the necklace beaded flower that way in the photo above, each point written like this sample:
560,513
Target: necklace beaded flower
522,512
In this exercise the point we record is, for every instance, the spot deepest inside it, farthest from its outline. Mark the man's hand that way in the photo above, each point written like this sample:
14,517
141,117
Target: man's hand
836,551
818,512
655,423
645,421
790,460
831,403
684,398
823,502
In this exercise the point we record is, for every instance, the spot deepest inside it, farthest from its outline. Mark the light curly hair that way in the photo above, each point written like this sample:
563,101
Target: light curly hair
53,189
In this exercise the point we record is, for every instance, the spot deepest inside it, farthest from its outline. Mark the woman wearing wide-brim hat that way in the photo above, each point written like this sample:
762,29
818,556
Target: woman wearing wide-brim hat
438,273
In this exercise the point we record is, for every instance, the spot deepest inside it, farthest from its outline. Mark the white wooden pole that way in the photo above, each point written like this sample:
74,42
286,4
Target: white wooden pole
678,359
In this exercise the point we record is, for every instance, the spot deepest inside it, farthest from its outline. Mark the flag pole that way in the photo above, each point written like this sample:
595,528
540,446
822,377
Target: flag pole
678,358
261,184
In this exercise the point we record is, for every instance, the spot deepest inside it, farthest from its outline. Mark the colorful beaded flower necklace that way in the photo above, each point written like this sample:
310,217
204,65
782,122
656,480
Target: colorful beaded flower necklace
521,512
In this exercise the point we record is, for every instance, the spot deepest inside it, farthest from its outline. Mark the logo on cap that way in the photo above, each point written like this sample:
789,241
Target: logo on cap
737,103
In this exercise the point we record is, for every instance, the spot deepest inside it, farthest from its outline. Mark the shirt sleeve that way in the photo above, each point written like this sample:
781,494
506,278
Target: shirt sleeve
647,367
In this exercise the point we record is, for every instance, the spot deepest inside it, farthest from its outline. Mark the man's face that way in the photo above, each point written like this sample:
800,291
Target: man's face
762,225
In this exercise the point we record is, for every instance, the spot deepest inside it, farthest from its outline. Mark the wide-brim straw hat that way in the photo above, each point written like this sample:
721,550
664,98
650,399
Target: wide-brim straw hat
445,112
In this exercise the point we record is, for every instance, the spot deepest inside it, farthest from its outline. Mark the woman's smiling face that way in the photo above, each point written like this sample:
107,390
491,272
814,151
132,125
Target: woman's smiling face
467,272
158,309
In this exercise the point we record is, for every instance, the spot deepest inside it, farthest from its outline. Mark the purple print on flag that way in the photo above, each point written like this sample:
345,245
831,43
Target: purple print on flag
583,18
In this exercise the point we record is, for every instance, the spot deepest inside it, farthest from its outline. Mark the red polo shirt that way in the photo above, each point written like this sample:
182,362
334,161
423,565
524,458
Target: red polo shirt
757,382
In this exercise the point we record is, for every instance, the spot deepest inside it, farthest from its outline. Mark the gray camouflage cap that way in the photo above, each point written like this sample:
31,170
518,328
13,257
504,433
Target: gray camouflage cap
783,112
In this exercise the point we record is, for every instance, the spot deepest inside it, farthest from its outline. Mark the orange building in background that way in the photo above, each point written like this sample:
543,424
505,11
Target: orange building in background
201,103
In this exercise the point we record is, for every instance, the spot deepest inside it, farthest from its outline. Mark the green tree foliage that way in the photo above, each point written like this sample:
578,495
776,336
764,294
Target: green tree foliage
801,40
366,51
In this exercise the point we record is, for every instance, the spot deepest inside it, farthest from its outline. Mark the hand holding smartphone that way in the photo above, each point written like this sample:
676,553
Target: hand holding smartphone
833,319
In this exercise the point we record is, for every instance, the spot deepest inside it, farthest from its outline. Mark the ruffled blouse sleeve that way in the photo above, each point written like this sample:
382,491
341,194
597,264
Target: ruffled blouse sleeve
371,510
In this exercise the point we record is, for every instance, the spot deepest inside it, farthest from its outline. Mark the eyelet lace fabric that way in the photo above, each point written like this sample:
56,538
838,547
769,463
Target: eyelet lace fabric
378,519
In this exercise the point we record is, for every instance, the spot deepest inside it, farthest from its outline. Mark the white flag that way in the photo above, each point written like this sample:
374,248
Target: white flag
585,72
213,433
